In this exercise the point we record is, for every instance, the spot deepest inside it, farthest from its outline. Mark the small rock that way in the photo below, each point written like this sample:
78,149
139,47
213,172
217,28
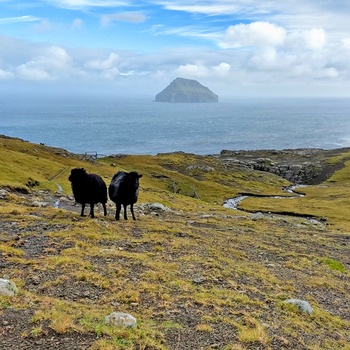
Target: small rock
257,216
200,167
39,204
3,194
35,280
7,287
121,319
151,207
303,305
199,280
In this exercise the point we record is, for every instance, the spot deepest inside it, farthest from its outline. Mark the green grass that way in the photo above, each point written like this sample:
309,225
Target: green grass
334,264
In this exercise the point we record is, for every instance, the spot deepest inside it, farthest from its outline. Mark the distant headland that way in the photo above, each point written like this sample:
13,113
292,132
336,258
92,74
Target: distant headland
183,90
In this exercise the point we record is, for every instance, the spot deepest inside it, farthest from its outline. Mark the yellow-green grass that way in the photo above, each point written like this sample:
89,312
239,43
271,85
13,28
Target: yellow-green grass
329,200
24,164
229,271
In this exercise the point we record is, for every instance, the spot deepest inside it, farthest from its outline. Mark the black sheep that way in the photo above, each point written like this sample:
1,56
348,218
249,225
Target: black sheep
88,189
123,190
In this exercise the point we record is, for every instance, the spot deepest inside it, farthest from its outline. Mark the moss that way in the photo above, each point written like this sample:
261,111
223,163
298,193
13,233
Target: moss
334,264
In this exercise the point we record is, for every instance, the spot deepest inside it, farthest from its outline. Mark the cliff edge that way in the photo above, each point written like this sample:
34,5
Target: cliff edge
183,90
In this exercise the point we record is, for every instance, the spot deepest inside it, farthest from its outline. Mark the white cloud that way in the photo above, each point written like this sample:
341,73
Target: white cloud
312,39
11,20
110,74
192,71
204,8
345,43
253,34
53,63
131,17
272,56
327,73
221,70
4,75
265,59
106,68
315,38
29,71
82,4
104,64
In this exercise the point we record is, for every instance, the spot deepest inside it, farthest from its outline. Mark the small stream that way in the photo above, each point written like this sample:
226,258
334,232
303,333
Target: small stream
57,203
233,203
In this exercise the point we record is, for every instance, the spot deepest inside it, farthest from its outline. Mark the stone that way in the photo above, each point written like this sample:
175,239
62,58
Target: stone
199,280
257,216
39,204
121,319
205,168
303,305
8,287
3,194
305,166
149,207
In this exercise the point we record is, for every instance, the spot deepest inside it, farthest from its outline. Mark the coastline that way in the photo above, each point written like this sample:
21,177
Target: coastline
307,166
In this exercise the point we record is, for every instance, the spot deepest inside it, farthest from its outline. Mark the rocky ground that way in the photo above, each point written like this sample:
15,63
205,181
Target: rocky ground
301,166
266,261
195,275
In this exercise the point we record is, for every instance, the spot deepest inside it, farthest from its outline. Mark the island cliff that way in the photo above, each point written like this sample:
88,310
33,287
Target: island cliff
186,90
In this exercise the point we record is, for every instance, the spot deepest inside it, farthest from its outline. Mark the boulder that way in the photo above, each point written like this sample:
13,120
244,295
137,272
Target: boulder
303,305
7,287
121,319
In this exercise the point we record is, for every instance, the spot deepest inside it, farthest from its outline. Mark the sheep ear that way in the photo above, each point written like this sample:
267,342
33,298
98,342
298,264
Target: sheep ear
140,175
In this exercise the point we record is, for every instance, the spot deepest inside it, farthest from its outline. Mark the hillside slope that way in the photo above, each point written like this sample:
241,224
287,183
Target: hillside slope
195,274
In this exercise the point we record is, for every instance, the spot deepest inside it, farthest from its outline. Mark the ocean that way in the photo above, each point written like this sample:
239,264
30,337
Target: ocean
109,125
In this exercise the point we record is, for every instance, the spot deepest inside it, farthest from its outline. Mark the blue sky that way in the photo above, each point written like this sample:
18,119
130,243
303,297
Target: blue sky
243,48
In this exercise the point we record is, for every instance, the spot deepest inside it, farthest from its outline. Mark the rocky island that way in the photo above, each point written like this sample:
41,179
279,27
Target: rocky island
183,90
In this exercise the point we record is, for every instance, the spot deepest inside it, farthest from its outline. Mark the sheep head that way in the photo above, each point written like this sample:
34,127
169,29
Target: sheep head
77,174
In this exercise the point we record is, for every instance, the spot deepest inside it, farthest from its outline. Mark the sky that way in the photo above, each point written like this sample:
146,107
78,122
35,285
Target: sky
243,48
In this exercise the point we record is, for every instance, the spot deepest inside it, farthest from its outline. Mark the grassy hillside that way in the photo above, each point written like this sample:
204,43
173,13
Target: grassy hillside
196,276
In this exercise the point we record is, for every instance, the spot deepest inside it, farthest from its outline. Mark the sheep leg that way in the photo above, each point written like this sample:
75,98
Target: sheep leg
104,209
125,213
92,210
132,211
117,213
82,209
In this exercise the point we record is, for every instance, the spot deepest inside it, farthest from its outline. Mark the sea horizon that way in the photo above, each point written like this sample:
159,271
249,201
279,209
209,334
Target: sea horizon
107,125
